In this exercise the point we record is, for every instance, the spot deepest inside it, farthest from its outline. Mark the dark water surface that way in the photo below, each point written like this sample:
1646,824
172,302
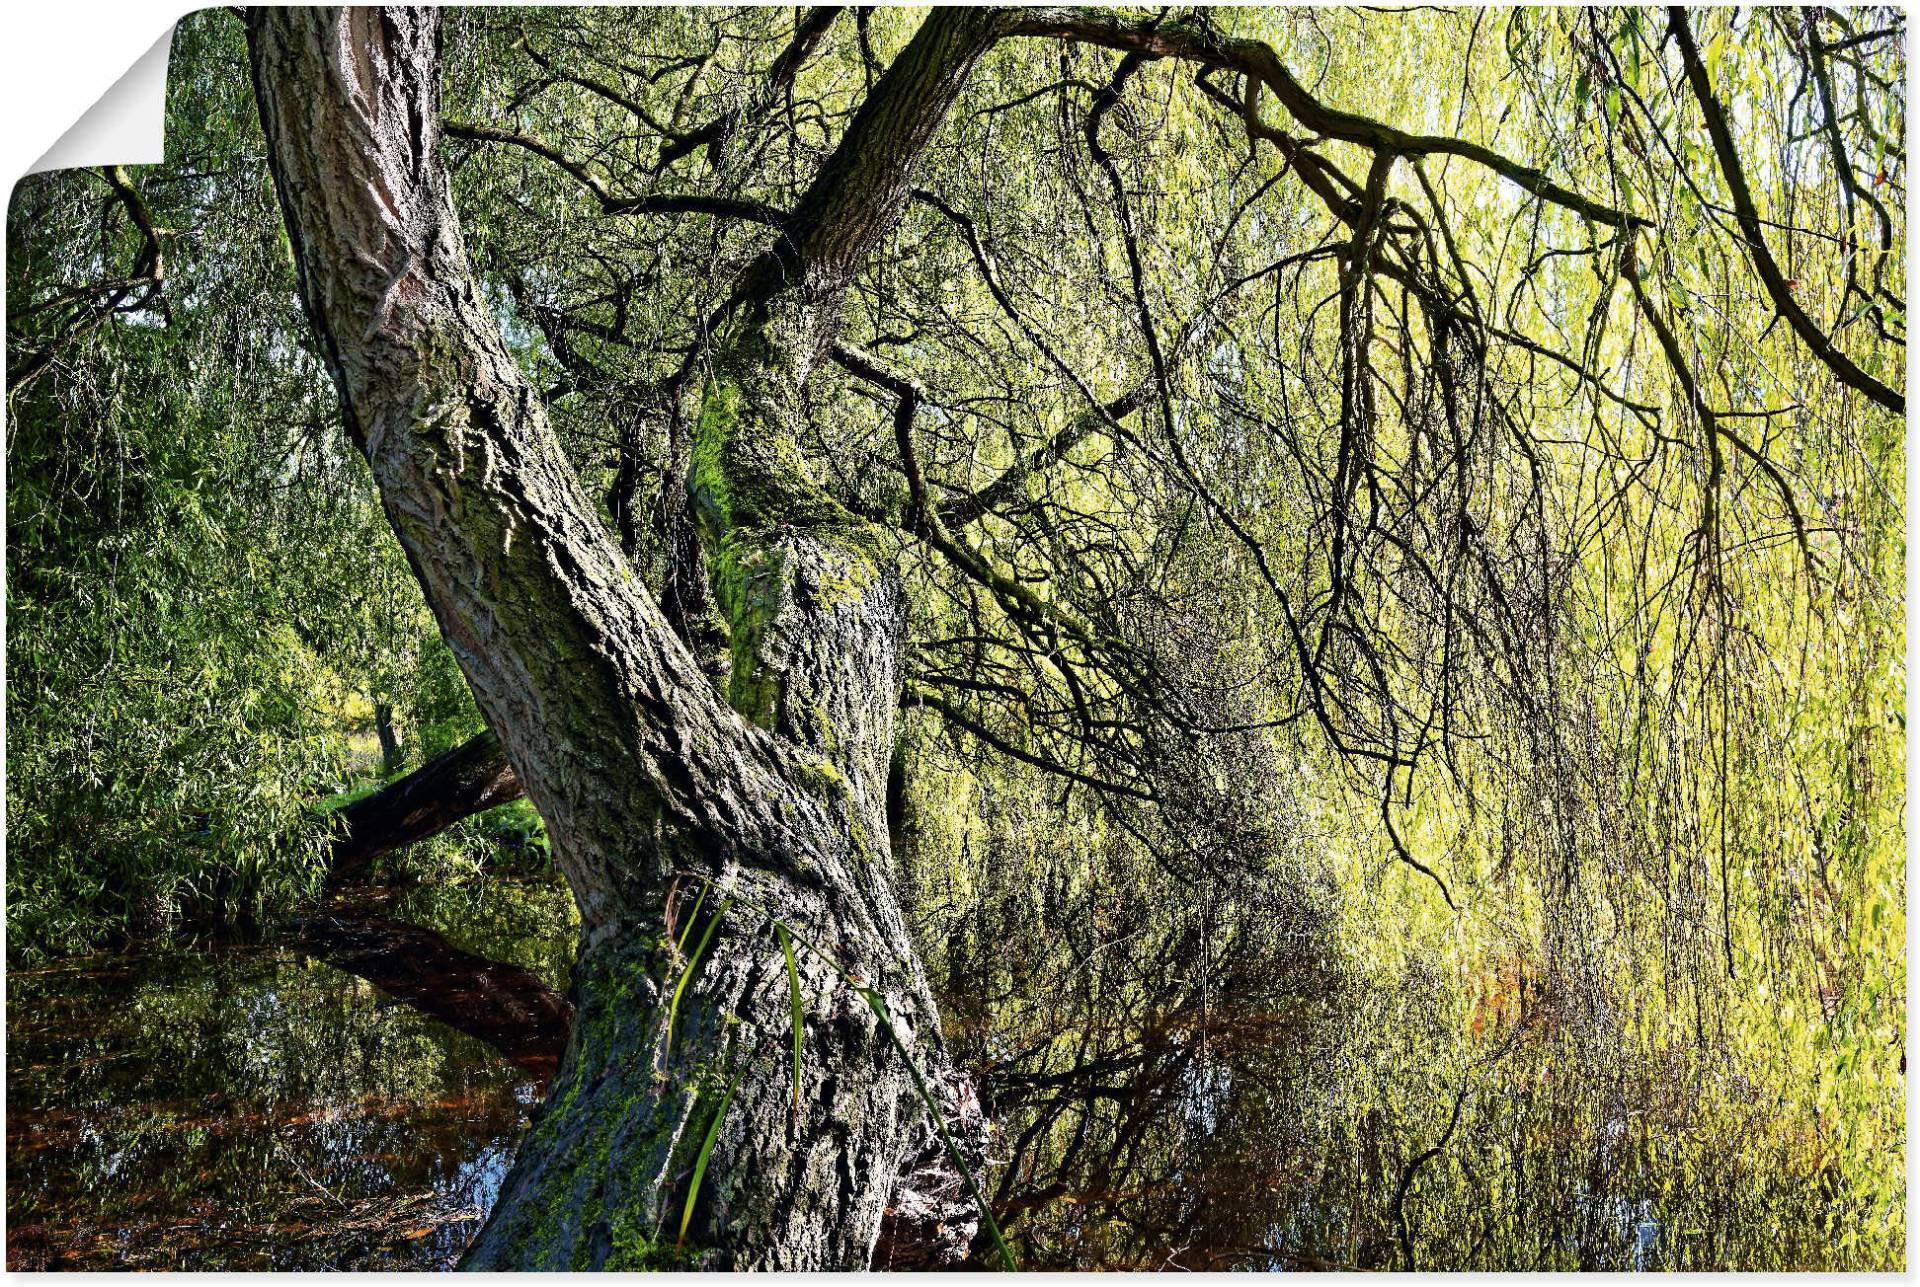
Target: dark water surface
255,1106
252,1107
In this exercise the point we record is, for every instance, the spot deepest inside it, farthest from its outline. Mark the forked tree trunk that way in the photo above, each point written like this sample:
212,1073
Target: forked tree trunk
653,785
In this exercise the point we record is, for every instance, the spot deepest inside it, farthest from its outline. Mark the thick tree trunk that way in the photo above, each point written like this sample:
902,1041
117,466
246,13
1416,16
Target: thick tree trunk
455,784
653,788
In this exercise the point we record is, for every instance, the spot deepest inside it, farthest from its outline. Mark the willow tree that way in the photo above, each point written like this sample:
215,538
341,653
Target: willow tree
1374,432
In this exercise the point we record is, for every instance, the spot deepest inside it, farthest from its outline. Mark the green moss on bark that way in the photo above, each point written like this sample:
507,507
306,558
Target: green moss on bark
771,534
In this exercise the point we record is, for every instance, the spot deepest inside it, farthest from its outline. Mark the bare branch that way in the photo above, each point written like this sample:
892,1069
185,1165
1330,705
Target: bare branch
1842,366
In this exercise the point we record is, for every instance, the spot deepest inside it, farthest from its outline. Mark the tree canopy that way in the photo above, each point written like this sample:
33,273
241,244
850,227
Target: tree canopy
1394,470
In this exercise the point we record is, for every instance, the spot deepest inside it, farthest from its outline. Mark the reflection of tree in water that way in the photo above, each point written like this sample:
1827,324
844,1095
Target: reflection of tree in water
527,923
1122,1095
245,1108
1285,1108
512,1009
1208,1083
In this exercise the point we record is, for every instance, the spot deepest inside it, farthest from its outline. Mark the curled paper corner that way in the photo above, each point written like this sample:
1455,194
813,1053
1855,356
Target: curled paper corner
126,125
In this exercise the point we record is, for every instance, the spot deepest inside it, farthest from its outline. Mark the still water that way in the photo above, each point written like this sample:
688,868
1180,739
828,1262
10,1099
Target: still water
350,1095
250,1106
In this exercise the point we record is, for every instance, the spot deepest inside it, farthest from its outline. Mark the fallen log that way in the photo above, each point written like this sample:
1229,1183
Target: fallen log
471,778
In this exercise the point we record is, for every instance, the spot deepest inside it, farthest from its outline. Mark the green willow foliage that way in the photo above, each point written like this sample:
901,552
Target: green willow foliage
1537,674
203,598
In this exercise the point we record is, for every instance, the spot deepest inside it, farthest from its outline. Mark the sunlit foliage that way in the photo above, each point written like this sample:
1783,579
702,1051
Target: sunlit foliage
1354,566
204,602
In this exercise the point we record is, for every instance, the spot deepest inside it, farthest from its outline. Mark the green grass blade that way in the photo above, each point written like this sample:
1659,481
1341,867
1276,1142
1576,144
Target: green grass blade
706,1151
799,1018
680,944
879,1006
686,975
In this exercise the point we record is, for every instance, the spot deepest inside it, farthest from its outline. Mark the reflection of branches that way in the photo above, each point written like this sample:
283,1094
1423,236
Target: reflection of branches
1412,1169
510,1008
1144,1067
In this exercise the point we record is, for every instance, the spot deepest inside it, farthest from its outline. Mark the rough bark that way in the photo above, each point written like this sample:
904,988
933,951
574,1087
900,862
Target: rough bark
455,784
649,782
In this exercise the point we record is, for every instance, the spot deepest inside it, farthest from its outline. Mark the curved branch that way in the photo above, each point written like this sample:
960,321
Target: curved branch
1194,39
1764,264
716,133
1710,420
109,297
